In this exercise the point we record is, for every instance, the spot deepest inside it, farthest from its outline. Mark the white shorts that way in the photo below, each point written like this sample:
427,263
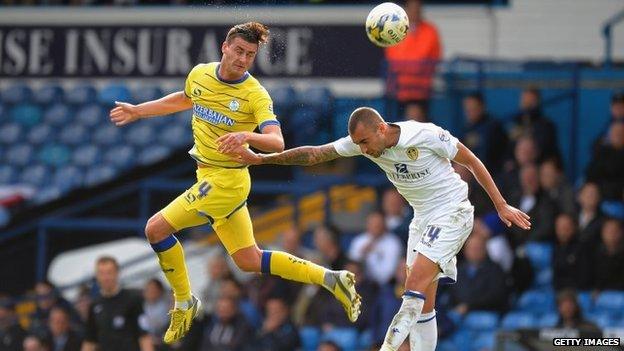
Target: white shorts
439,237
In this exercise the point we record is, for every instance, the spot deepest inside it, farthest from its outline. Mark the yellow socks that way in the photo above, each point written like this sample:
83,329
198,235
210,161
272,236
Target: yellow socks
290,267
171,258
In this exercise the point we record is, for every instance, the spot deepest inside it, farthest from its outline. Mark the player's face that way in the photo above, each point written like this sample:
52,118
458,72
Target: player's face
238,56
370,139
107,276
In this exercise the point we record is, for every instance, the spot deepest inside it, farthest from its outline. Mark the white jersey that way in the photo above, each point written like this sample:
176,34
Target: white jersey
419,166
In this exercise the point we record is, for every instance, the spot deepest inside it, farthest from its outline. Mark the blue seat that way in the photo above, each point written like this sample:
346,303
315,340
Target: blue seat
67,178
548,320
446,345
306,125
484,341
86,156
99,174
19,155
115,92
543,279
10,133
610,301
35,175
109,134
176,136
537,301
613,209
57,115
586,301
310,338
284,101
8,174
91,115
121,156
602,319
462,338
140,134
481,321
365,340
39,134
16,94
55,155
346,338
49,94
319,98
540,254
81,95
5,216
146,93
27,115
518,320
74,134
153,154
48,193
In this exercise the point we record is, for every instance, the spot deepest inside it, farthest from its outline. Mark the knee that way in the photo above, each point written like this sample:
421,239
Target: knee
248,261
153,233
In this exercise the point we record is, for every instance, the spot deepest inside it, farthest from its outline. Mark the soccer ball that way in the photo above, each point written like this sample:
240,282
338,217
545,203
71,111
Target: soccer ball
387,24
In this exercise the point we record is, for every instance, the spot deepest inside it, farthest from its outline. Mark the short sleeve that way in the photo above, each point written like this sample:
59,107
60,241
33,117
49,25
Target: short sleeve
189,80
345,147
91,328
262,106
442,143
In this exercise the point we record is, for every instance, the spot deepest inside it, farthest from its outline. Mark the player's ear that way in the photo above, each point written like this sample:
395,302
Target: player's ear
223,47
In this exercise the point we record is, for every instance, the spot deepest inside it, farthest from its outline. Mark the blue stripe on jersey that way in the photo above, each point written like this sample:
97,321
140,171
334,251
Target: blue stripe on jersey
235,81
271,122
416,294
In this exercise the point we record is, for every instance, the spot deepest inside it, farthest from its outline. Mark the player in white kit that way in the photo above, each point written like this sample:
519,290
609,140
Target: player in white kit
416,159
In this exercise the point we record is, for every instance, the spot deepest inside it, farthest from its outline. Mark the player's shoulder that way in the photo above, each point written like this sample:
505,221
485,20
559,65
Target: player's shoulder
253,85
203,68
417,131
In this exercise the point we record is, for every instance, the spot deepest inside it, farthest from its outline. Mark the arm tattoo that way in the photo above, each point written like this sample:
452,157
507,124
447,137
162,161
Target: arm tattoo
303,156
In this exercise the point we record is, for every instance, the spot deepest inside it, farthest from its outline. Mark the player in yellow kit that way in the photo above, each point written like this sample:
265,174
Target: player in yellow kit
228,105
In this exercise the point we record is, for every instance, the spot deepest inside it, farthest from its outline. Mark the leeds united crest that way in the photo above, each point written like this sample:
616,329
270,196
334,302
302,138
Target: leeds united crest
412,153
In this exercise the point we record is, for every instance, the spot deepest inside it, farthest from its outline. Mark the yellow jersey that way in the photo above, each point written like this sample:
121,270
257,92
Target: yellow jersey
222,106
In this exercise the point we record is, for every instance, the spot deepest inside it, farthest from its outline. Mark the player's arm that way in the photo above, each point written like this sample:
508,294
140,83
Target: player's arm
507,213
87,346
126,113
145,343
269,140
299,156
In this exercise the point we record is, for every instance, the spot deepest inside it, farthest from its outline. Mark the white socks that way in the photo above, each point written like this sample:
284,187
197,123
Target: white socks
424,334
404,320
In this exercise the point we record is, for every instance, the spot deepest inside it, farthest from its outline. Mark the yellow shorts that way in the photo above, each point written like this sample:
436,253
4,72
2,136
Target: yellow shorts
218,197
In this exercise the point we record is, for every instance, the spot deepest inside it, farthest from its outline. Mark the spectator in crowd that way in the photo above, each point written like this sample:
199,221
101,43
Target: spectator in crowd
387,303
481,283
378,249
525,153
290,241
328,345
609,258
367,289
60,335
47,298
82,304
606,167
156,305
218,270
589,217
492,231
114,321
278,333
531,121
232,288
398,214
11,333
476,194
571,264
327,242
224,330
570,314
534,202
411,63
35,343
484,135
415,112
616,115
555,186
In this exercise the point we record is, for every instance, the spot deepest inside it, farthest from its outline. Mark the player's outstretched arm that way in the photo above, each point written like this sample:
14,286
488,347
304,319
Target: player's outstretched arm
299,156
269,140
126,113
508,214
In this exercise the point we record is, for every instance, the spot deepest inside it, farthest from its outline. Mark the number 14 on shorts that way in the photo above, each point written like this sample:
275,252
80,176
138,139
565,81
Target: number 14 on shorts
202,190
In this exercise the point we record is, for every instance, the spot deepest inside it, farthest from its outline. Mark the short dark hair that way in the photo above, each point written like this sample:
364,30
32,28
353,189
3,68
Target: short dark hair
533,90
252,32
367,115
617,98
107,259
477,96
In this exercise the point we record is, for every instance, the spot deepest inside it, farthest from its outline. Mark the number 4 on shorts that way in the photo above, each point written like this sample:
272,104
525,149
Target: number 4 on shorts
203,188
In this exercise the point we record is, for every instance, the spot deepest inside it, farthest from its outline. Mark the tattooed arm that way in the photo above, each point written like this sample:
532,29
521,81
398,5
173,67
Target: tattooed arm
300,156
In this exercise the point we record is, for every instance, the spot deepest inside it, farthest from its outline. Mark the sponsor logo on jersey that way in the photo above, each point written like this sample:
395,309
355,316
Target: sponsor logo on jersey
403,174
211,116
234,105
197,92
412,153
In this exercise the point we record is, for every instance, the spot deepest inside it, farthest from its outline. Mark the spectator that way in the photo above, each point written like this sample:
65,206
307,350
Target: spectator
387,303
484,135
555,186
491,229
589,215
609,258
531,121
218,270
156,305
571,264
328,345
616,115
415,112
570,314
327,242
11,333
377,249
411,63
481,284
291,243
534,202
225,330
525,153
278,332
48,298
398,214
82,304
230,287
606,167
61,336
114,321
35,343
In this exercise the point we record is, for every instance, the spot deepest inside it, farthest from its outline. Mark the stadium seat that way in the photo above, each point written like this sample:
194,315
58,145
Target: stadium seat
284,101
35,175
86,156
115,92
10,133
57,115
73,134
99,174
49,94
602,319
54,155
365,340
47,194
346,338
27,115
39,134
586,301
610,301
108,134
121,156
537,301
462,338
310,338
8,174
518,320
80,95
480,321
543,279
320,98
91,115
140,134
483,341
67,178
613,209
306,124
16,94
540,254
153,154
446,345
175,136
146,93
19,155
548,320
5,216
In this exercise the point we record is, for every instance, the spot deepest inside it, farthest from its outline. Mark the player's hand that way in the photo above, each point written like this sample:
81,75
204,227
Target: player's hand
245,156
231,141
511,215
124,113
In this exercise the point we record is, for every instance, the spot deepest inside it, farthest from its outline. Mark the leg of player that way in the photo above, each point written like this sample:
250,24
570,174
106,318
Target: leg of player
424,334
421,275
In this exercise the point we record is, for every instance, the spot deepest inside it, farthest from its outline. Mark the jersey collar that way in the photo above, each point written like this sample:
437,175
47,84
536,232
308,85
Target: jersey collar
235,81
